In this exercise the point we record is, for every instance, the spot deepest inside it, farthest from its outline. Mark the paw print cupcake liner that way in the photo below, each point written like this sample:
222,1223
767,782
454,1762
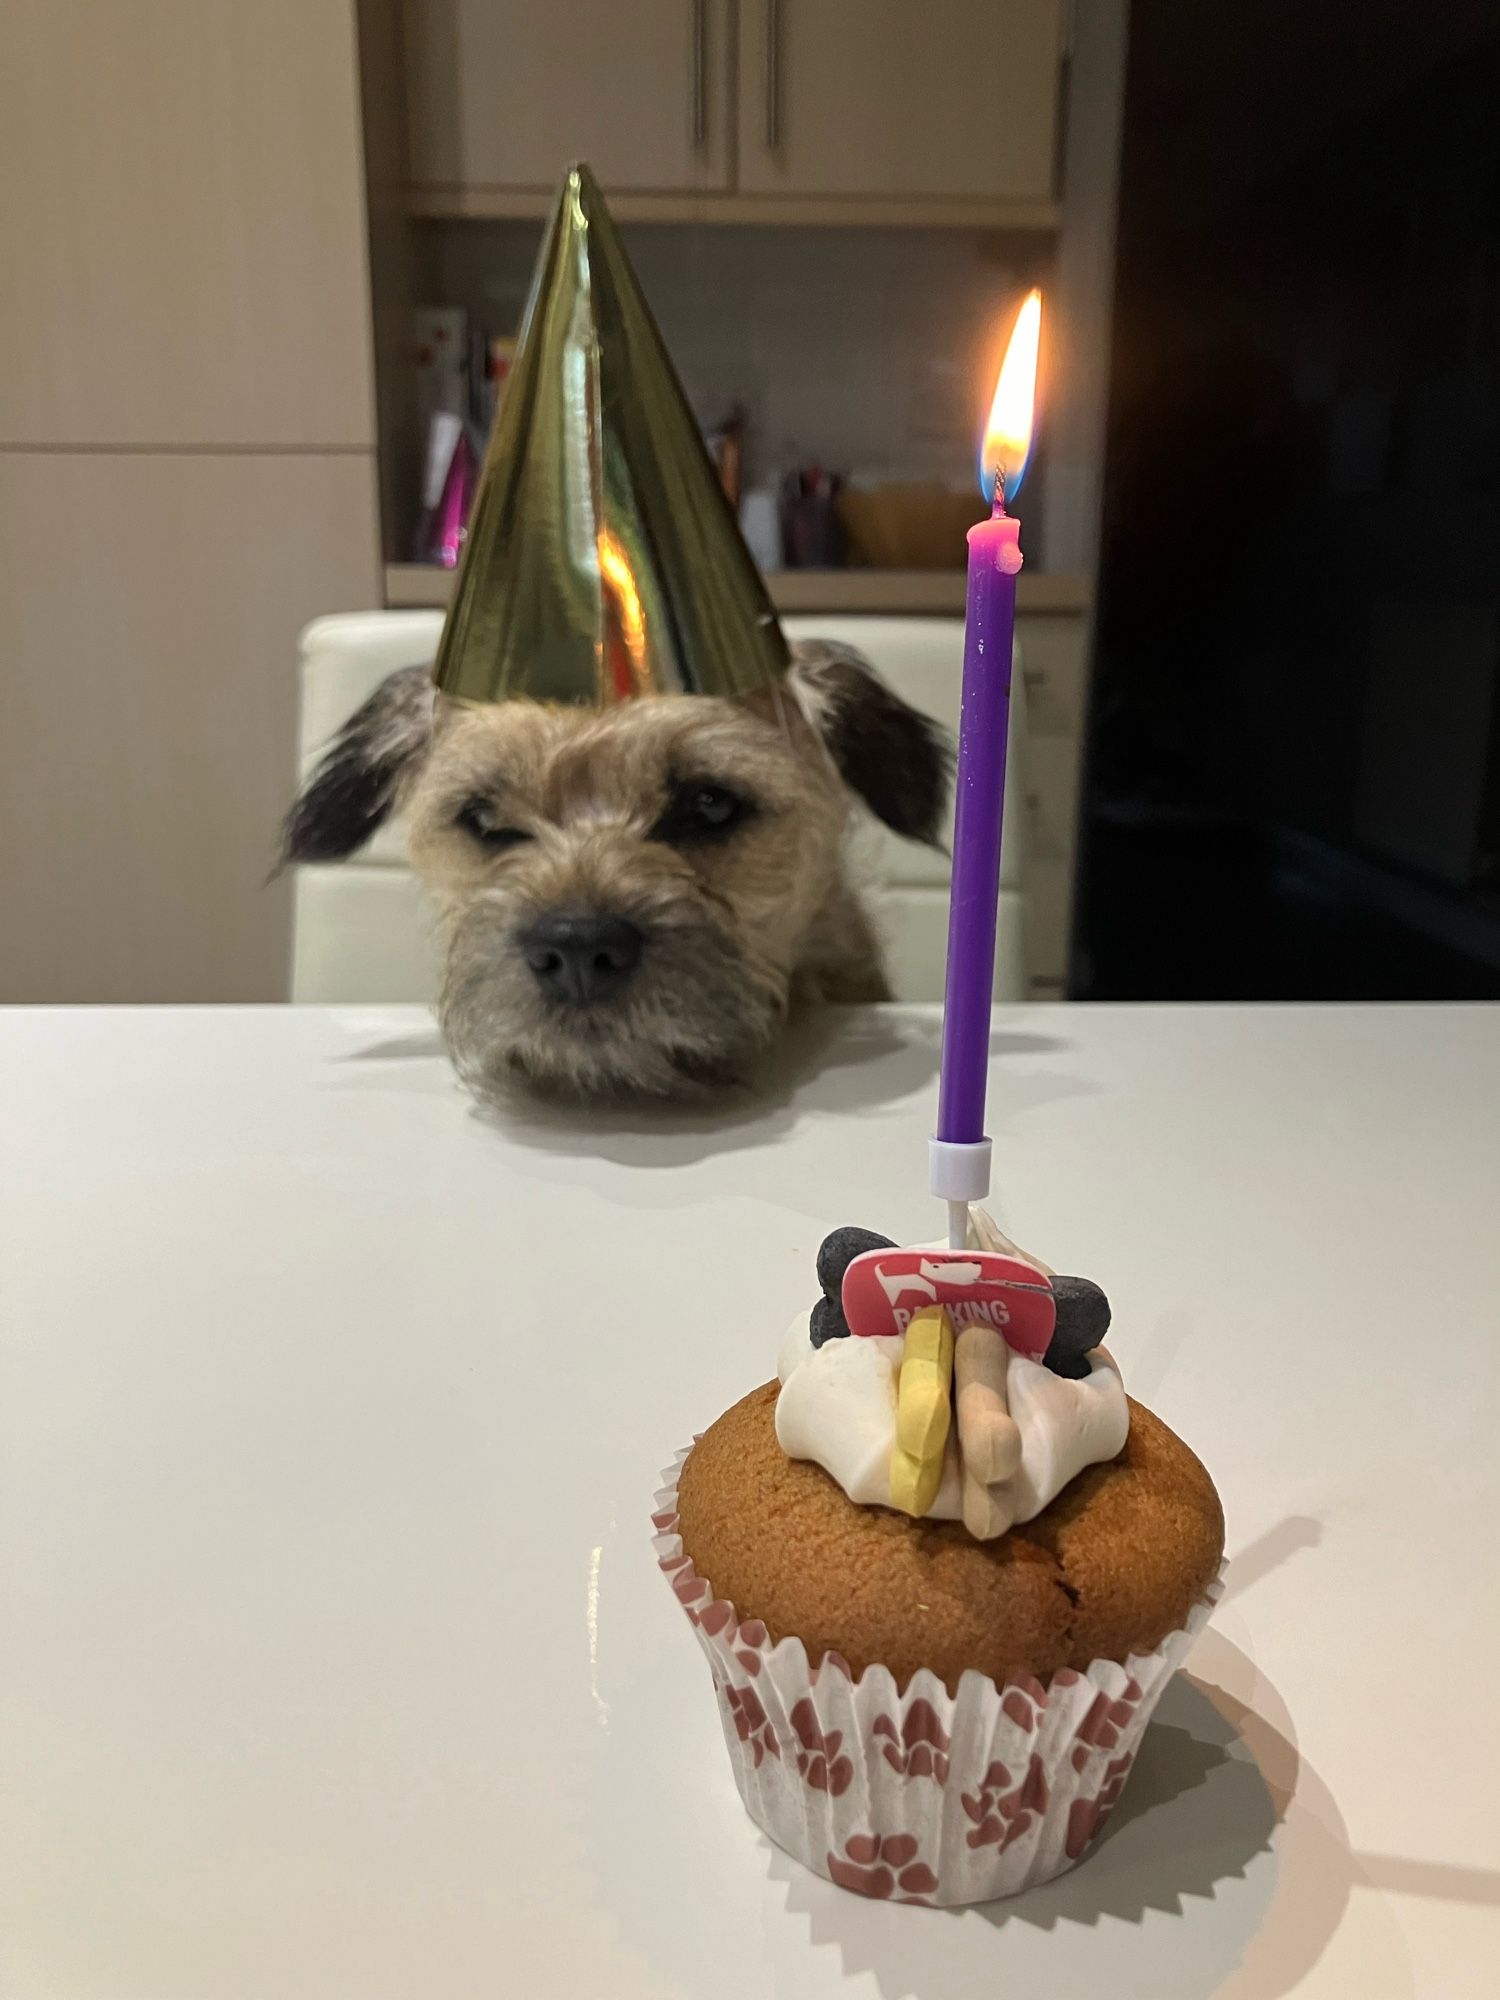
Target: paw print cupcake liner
915,1795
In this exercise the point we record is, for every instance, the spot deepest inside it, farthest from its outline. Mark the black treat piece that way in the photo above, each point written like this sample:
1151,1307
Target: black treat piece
836,1253
839,1250
827,1322
1082,1322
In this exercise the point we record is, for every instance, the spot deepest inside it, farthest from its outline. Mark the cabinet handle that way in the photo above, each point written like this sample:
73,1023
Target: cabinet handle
700,74
773,74
1064,103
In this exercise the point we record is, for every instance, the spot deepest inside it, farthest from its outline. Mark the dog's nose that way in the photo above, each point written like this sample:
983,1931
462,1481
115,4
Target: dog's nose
582,958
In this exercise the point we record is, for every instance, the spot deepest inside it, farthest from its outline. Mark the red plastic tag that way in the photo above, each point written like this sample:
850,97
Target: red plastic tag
883,1288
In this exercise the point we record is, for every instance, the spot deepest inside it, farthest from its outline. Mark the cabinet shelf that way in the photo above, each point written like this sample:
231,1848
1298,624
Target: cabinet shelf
876,591
508,204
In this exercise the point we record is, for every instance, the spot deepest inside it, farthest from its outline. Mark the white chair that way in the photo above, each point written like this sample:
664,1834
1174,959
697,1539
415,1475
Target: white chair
362,930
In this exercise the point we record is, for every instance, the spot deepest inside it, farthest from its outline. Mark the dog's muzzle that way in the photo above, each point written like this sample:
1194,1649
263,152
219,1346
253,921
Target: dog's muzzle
600,1002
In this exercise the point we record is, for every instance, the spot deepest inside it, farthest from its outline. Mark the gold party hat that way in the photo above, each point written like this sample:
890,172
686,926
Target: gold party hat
603,560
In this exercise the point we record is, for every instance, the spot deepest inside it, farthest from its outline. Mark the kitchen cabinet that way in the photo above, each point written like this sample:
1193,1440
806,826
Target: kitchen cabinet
739,110
182,226
880,98
187,474
503,93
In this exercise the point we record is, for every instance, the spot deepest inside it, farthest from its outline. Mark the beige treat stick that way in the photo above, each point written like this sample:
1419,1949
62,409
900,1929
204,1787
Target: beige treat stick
987,1509
988,1436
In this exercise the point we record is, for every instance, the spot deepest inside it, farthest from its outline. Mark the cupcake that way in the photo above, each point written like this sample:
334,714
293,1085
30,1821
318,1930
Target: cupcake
942,1569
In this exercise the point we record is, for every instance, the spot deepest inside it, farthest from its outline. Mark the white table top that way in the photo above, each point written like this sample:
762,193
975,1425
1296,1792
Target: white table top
335,1662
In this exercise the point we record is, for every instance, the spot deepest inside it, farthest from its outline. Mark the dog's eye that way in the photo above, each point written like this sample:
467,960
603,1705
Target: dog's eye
713,807
478,820
701,812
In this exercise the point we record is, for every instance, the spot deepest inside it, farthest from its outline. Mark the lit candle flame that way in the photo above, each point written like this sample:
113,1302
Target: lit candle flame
1007,436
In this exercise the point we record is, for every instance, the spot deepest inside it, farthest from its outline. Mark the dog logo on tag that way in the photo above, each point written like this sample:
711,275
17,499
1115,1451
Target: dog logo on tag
883,1288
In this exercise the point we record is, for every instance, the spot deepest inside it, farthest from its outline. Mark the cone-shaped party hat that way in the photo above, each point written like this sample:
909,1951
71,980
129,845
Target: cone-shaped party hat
603,560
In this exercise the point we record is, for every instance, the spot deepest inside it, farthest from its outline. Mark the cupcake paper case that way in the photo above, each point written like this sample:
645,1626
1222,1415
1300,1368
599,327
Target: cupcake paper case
916,1794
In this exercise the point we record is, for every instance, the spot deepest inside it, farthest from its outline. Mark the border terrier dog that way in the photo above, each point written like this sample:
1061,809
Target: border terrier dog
632,901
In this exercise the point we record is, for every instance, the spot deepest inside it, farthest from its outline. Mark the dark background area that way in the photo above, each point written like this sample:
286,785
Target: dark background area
1294,770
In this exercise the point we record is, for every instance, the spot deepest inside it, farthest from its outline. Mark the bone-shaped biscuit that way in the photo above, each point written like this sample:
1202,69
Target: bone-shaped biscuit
989,1439
988,1435
988,1510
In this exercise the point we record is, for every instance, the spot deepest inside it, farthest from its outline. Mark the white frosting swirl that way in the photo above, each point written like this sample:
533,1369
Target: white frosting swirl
837,1407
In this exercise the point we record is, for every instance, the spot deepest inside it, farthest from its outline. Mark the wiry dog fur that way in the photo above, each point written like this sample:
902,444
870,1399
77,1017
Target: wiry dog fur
520,811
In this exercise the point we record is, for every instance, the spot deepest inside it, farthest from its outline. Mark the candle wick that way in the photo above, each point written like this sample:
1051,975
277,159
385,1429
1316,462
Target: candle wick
997,510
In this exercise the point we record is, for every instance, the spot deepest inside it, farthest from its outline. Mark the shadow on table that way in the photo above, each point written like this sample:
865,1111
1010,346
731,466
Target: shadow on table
1191,1892
1191,1839
843,1060
421,1045
847,1060
1226,1869
1224,1827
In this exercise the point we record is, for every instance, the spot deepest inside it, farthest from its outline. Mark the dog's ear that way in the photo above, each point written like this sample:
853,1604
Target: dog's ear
897,759
360,775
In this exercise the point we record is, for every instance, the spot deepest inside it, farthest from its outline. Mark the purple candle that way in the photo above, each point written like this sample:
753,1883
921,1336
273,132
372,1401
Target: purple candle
960,1154
979,802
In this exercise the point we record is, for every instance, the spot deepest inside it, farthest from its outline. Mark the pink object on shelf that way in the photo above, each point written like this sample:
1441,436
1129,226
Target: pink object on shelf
452,519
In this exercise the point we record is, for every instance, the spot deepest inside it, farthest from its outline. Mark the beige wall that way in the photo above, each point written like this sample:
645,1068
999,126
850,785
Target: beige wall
186,473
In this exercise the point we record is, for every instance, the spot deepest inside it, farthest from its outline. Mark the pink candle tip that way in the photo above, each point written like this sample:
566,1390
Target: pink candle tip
999,540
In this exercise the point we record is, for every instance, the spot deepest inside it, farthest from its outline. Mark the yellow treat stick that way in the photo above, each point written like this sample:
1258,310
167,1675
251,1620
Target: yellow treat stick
915,1482
924,1410
988,1435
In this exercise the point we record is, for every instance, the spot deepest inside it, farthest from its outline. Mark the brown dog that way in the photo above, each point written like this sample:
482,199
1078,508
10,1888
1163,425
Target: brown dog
631,900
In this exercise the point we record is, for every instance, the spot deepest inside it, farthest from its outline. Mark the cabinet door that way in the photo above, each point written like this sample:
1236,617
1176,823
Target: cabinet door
952,98
505,93
182,225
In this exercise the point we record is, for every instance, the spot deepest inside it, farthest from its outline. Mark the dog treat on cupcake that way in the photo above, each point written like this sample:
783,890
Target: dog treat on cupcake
1035,1396
942,1570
